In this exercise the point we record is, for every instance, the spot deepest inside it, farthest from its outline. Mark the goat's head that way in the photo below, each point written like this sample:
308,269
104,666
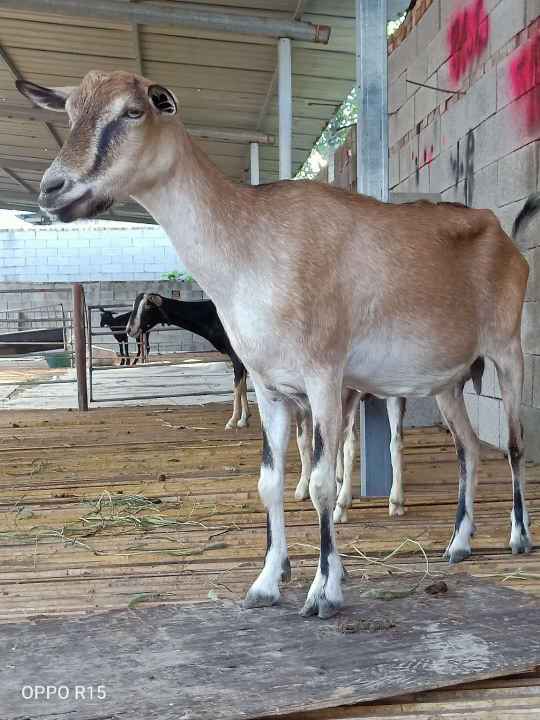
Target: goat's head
106,317
146,313
110,152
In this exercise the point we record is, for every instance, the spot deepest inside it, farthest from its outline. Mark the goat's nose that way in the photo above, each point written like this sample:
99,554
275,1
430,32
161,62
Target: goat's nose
53,184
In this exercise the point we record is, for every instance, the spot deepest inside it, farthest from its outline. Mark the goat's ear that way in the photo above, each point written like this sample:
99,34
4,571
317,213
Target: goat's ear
163,100
155,300
48,98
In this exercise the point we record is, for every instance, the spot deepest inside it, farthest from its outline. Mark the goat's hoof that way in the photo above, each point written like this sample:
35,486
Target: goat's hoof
286,571
258,599
301,492
456,556
521,546
242,423
320,606
231,425
396,509
340,514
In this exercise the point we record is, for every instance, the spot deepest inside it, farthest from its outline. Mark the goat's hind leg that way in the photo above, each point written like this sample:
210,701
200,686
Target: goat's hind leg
396,409
345,458
239,374
453,410
324,394
244,418
510,373
304,431
275,423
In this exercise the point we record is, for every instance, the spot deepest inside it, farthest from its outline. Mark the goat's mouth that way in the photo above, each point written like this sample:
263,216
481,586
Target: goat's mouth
84,207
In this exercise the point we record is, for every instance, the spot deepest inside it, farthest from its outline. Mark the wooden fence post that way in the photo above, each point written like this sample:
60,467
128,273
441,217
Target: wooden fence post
79,344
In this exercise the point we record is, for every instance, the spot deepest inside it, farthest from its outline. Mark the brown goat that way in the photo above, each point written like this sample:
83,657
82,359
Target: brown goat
345,293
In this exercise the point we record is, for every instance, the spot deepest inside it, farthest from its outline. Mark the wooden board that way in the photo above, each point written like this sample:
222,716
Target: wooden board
216,661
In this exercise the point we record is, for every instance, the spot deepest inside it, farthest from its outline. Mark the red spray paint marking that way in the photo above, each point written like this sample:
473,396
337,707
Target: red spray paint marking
524,80
468,35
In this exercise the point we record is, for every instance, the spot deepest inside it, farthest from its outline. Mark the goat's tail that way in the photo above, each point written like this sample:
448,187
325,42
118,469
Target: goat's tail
477,370
527,212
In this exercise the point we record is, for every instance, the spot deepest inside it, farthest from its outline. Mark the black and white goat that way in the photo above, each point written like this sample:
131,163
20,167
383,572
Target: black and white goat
117,325
201,318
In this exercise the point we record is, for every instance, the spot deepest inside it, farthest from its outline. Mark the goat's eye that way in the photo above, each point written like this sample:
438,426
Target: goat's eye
133,114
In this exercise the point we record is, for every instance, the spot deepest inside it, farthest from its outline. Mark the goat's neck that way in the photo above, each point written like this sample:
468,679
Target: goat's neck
201,211
178,314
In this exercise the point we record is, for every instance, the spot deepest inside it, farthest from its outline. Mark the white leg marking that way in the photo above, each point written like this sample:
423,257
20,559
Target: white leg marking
396,502
347,449
275,423
304,442
325,597
236,407
244,419
510,373
453,410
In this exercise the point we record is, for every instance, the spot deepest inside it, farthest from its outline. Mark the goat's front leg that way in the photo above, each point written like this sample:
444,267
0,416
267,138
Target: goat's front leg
121,348
304,433
139,351
396,409
275,428
324,394
126,346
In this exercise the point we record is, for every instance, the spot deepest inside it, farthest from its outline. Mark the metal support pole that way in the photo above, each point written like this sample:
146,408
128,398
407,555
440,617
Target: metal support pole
285,108
79,338
372,173
331,166
254,163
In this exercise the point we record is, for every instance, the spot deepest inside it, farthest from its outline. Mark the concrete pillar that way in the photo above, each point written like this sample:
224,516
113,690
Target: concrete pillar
331,166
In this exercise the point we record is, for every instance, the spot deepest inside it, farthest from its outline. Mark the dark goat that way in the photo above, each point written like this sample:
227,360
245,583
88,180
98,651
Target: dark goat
202,319
117,325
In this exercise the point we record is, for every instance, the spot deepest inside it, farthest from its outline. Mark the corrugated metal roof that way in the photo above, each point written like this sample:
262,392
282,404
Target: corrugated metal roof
221,79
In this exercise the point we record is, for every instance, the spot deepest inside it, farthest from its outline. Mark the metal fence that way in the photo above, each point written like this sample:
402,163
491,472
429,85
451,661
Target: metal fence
98,338
35,328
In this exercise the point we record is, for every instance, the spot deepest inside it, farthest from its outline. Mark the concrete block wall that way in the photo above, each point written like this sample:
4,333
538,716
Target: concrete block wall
14,296
475,139
100,251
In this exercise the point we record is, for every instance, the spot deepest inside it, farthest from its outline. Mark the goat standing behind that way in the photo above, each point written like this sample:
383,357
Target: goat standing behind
117,325
201,318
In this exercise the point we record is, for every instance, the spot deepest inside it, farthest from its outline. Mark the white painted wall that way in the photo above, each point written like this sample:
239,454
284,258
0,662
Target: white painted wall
86,253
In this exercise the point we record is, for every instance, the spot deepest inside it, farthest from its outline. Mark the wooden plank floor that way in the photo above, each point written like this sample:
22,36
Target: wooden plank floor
131,505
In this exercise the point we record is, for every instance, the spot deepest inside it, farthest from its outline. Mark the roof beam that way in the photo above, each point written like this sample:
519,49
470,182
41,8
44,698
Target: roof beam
174,13
16,73
17,112
22,164
15,177
136,36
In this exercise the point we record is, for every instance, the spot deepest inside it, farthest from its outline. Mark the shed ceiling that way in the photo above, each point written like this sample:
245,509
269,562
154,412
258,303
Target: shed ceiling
222,80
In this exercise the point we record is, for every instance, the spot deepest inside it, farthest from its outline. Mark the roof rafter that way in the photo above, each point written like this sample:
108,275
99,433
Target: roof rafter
23,183
16,73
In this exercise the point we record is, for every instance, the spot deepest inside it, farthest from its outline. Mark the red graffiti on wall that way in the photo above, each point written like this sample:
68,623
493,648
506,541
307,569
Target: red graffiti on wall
468,35
524,81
